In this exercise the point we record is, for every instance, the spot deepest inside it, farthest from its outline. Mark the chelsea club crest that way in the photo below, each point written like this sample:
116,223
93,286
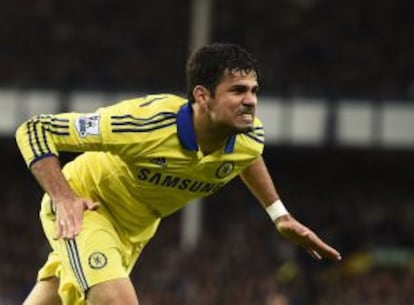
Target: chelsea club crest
97,260
224,169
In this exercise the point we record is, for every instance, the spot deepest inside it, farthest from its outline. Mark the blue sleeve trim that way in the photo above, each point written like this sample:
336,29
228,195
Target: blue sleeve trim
41,157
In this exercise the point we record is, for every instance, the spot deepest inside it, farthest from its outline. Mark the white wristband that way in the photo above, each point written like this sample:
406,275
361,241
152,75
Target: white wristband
276,209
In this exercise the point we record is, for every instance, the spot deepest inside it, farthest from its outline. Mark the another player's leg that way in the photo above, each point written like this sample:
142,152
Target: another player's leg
113,292
44,293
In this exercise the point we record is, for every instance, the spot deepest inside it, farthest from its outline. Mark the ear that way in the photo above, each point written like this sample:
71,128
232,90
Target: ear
201,95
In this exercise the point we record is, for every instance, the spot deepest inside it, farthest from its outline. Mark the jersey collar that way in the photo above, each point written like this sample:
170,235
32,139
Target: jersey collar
186,132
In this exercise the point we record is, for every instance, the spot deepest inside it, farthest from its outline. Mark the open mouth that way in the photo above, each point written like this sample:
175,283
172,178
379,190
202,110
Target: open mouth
247,117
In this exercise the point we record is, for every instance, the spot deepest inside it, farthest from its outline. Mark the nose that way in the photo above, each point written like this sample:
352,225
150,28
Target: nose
250,99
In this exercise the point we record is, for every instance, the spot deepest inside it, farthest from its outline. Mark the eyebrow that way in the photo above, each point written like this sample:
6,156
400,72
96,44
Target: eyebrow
240,87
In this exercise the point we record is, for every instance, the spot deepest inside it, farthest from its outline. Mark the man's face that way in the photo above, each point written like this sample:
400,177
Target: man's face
234,104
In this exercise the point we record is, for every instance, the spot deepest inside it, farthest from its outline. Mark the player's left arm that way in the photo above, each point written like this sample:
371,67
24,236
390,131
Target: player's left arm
258,180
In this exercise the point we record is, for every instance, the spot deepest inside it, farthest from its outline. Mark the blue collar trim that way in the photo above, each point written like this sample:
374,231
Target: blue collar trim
185,127
230,145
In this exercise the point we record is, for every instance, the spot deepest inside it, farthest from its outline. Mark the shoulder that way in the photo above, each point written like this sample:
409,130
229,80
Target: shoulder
142,119
149,104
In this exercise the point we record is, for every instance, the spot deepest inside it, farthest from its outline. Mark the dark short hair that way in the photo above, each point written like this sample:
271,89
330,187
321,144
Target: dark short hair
206,66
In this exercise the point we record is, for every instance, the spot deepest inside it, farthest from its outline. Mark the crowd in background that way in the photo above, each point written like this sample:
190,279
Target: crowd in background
106,45
356,48
306,47
359,201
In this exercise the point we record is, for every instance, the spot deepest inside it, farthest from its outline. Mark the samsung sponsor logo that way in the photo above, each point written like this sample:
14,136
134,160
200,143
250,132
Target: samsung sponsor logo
171,181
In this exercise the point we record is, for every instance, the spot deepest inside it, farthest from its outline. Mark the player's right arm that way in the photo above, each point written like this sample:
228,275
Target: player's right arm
69,207
40,139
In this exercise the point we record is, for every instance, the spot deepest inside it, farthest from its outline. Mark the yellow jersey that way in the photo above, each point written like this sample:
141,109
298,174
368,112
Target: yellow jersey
141,159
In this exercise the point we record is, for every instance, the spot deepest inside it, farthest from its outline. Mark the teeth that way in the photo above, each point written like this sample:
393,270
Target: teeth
247,117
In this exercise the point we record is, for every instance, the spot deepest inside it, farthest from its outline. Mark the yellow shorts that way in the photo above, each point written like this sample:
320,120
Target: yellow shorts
99,253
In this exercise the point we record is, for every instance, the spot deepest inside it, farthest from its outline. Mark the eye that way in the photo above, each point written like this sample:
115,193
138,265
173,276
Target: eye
239,89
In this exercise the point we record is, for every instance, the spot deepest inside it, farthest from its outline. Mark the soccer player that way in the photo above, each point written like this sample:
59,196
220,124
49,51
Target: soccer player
142,160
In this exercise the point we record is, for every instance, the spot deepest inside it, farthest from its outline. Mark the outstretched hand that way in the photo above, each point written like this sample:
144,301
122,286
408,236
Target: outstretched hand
69,216
301,235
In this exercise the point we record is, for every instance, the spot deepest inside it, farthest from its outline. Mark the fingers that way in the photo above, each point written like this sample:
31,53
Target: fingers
319,249
331,253
303,236
58,233
328,253
91,205
314,254
69,217
67,229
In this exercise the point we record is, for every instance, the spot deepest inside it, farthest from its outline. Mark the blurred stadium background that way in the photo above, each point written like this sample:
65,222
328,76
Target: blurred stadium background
337,103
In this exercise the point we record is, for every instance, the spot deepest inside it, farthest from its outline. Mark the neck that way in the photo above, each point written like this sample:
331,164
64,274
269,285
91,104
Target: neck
210,141
209,137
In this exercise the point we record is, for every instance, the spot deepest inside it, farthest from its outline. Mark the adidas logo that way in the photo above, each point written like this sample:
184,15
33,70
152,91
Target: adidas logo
161,161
